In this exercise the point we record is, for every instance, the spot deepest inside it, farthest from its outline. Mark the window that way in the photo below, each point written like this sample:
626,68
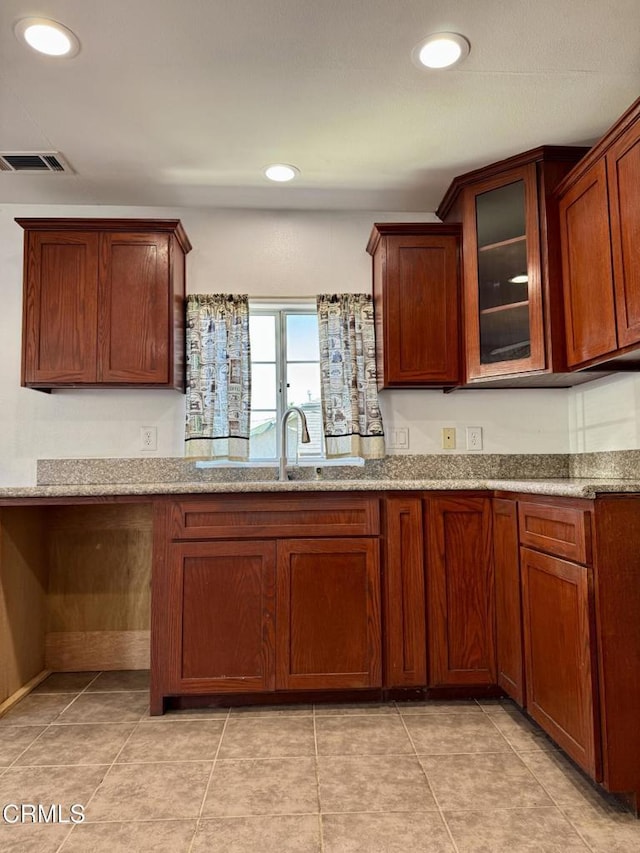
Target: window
285,371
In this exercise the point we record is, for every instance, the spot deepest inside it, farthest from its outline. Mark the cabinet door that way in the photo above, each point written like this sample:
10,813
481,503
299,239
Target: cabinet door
560,655
219,605
420,305
623,179
503,292
60,308
134,329
328,603
587,276
460,592
508,599
404,596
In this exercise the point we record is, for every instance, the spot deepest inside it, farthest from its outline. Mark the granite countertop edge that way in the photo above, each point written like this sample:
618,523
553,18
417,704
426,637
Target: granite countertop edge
577,488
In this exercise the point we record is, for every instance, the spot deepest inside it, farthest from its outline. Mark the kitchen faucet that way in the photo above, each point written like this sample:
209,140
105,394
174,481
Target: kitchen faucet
282,471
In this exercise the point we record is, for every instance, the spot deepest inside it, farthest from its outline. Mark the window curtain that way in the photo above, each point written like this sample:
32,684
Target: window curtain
350,411
218,377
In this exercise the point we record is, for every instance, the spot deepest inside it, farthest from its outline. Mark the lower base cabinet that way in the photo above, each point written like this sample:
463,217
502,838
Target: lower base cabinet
250,616
560,655
506,557
460,592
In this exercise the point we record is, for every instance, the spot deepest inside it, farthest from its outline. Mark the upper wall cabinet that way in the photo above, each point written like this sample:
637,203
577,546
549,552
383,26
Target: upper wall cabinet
103,303
416,302
512,303
600,238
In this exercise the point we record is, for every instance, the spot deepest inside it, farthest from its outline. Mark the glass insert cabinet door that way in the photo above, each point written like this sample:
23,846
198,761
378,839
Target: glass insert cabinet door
502,275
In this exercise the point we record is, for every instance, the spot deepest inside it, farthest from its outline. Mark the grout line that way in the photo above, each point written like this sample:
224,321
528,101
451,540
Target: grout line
433,793
317,771
208,785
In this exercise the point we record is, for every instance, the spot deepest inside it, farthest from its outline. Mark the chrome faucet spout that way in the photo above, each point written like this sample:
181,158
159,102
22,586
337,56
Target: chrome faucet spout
282,469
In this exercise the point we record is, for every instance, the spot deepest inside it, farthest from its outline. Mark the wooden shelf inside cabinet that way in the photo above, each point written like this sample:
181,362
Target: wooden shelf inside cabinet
512,241
509,306
103,303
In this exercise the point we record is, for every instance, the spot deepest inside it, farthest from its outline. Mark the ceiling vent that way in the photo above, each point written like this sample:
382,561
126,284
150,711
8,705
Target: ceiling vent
33,161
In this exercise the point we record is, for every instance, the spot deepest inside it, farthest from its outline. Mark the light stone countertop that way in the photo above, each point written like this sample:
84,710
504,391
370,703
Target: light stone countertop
575,488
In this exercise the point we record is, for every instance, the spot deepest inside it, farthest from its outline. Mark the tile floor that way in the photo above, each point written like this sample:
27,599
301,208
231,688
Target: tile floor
441,778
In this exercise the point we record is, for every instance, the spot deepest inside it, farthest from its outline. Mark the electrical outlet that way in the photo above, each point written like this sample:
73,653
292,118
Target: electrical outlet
448,438
148,438
399,439
474,438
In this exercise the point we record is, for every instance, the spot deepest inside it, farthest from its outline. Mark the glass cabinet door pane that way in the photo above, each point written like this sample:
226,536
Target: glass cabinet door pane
503,296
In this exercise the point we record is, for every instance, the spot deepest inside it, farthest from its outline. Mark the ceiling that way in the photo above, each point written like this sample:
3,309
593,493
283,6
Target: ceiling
184,103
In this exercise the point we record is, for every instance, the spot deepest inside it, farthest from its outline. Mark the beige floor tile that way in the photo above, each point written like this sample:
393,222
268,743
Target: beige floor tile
440,706
376,783
196,740
32,838
262,786
357,708
267,834
305,710
150,792
390,833
98,743
497,706
188,714
606,826
106,708
46,785
66,682
543,830
129,679
36,710
564,783
441,734
362,735
267,737
522,734
14,740
483,781
160,836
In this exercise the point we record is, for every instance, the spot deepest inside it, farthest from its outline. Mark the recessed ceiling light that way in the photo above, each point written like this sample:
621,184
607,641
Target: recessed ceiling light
48,37
281,172
519,279
441,50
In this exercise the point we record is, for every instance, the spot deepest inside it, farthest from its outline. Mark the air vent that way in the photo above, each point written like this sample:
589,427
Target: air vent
33,161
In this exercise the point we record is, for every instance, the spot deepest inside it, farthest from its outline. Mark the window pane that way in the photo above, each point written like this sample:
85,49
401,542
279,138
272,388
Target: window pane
263,386
302,337
304,383
262,333
262,444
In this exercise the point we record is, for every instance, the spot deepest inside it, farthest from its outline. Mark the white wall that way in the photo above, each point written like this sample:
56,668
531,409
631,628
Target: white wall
605,415
276,253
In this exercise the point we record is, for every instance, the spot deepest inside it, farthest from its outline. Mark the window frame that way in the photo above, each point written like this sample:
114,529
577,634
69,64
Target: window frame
282,308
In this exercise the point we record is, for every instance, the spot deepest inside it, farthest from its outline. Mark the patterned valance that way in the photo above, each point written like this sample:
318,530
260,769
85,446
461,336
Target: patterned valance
350,410
218,376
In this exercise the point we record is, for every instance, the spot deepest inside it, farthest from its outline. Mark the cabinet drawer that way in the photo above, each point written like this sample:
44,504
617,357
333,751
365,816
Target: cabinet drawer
239,516
558,530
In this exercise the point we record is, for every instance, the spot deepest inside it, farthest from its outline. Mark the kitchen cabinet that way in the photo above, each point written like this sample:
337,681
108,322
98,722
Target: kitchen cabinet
560,655
460,591
416,293
510,663
559,627
254,594
599,203
512,297
103,303
405,639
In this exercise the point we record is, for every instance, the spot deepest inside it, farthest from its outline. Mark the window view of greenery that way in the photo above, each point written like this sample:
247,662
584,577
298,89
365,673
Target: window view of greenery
285,371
